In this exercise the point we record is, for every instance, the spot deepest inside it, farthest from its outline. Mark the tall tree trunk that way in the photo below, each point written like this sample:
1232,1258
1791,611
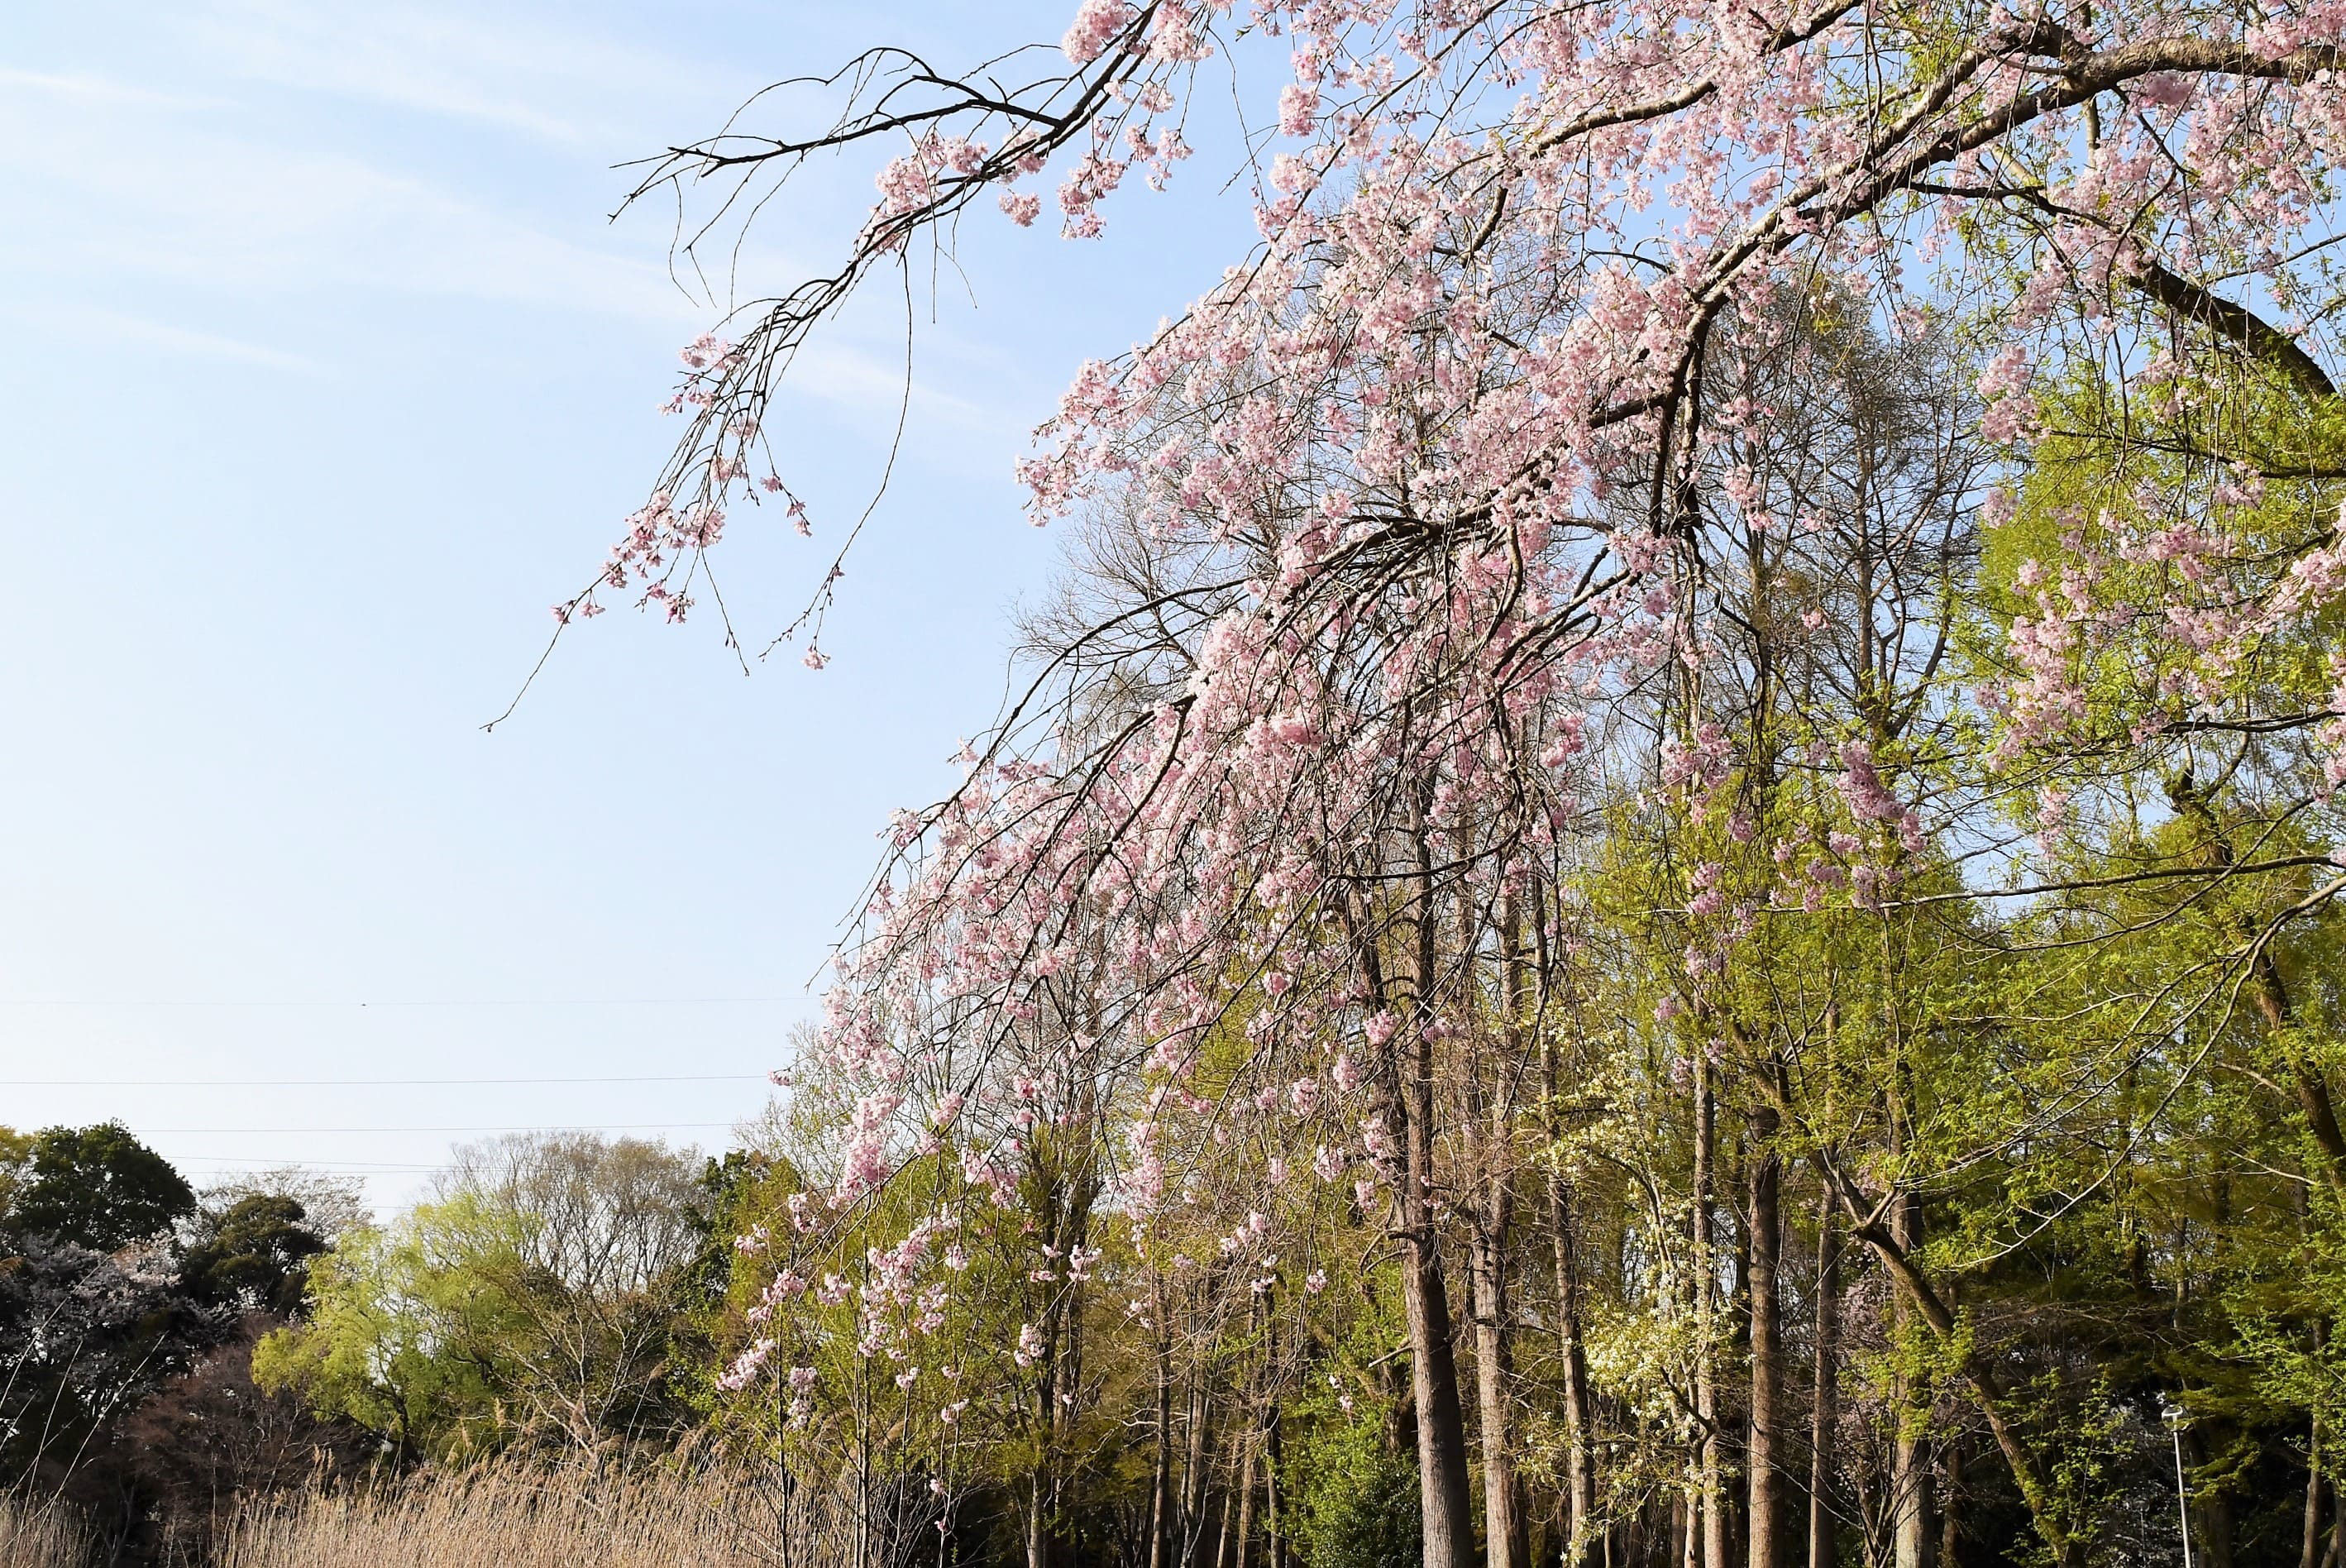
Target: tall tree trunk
1490,1139
1864,1494
1194,1536
1274,1511
1910,1484
1038,1533
1489,1151
1044,1495
1222,1533
1711,1474
1734,1355
1765,1508
1824,1409
1242,1539
1503,1522
2308,1542
1950,1505
1579,1473
1910,1469
1444,1496
1160,1488
1405,1100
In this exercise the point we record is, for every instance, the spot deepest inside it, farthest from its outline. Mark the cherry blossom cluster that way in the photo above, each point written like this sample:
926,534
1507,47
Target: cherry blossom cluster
1441,453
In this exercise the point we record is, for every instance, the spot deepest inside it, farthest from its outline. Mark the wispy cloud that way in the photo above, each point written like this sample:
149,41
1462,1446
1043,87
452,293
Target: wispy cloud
98,90
93,322
851,376
116,182
244,180
554,82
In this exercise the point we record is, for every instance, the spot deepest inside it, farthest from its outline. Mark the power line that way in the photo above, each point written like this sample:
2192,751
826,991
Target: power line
407,1001
259,1164
605,1127
353,1083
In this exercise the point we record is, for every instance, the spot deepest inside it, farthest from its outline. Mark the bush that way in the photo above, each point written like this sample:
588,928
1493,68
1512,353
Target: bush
1356,1499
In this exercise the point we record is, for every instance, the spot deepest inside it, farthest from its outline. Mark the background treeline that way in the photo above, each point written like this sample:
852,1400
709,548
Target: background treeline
130,1307
177,1365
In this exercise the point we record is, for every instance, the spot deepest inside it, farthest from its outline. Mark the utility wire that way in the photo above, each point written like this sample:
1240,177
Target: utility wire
407,1001
353,1083
533,1127
338,1167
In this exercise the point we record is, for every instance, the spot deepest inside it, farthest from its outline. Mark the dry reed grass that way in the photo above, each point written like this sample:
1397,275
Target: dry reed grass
515,1517
38,1536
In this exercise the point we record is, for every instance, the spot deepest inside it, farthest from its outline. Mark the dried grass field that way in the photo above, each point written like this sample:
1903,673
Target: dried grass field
492,1516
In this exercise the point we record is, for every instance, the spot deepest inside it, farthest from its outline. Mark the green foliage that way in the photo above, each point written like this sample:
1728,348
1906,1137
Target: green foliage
1356,1496
412,1333
538,1299
256,1252
97,1187
15,1160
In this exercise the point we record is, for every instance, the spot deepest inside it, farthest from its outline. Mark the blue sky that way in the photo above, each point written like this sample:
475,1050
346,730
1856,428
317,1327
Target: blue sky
325,375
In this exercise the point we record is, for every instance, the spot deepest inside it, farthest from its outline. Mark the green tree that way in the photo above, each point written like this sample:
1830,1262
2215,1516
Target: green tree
408,1331
255,1252
536,1298
15,1159
97,1187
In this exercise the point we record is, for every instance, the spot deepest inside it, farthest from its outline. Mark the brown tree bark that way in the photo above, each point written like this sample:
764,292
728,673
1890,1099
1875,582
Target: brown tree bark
1503,1522
1763,1492
1444,1496
1910,1486
1951,1509
1444,1493
1405,1099
1038,1530
1490,1154
1274,1509
1915,1289
2308,1541
1242,1538
1196,1542
1160,1488
1824,1410
1579,1472
1042,1495
1220,1557
2212,1524
1910,1469
1712,1477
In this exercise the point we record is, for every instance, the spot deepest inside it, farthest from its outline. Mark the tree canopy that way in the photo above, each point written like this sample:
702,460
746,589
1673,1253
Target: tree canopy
96,1187
1686,756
